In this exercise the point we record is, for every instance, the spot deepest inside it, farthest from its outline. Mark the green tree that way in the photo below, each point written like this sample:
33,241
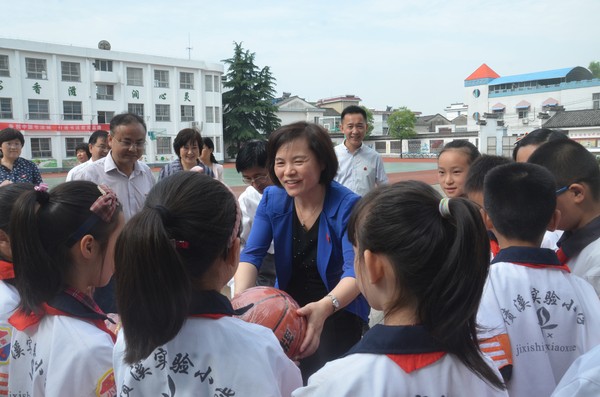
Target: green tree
401,125
370,120
595,69
248,101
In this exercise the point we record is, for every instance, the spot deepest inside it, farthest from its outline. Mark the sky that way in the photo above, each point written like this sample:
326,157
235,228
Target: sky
412,53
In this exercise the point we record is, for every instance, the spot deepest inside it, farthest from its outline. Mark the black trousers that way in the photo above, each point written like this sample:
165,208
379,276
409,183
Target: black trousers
341,331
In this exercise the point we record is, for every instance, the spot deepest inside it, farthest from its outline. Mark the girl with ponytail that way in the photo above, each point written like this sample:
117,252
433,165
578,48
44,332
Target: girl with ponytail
62,245
423,261
178,335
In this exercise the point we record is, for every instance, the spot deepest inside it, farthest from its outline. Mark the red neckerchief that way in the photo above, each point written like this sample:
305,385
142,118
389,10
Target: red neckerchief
411,362
494,247
562,257
21,321
7,271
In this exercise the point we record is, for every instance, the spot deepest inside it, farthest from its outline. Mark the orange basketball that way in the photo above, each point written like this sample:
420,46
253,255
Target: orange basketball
274,309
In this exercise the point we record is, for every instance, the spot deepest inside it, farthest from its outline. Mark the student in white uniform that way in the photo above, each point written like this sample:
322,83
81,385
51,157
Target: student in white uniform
62,243
536,316
578,200
583,377
178,335
9,297
412,264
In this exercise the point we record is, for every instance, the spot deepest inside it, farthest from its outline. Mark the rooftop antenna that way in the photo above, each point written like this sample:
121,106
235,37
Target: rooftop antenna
189,48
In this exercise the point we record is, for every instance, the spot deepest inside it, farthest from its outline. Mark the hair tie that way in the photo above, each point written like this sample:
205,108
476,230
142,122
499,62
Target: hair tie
102,209
444,207
105,205
41,194
42,187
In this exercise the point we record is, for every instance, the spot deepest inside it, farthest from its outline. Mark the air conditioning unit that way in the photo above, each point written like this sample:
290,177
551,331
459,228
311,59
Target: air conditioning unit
525,121
197,125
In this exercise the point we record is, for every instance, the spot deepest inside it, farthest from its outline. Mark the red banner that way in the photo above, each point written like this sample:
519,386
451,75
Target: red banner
56,127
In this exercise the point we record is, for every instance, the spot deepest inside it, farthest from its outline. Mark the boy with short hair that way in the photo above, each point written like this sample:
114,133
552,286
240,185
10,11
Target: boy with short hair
536,317
251,162
578,200
474,187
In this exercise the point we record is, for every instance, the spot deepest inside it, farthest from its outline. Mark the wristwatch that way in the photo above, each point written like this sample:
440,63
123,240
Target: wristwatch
335,302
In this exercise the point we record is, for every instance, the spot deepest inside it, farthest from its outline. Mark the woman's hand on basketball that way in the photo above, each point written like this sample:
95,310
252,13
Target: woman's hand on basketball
316,313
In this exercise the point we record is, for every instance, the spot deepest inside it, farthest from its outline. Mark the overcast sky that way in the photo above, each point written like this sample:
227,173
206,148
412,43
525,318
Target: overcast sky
411,53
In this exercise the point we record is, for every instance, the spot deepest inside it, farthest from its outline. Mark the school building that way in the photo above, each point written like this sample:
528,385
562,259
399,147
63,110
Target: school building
56,95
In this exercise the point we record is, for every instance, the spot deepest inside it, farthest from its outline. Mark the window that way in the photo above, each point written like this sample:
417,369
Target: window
476,116
161,78
40,148
523,113
186,81
596,101
208,83
105,117
476,92
217,86
217,114
187,113
105,91
6,108
35,68
135,76
38,109
210,114
72,110
137,108
4,66
103,65
71,144
163,112
70,71
163,145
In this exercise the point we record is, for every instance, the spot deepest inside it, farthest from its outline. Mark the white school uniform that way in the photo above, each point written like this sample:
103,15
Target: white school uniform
581,250
536,317
210,356
583,377
61,355
9,299
395,361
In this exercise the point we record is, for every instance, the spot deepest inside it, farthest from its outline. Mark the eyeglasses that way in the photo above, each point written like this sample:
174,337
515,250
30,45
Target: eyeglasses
102,147
13,145
561,190
257,179
129,144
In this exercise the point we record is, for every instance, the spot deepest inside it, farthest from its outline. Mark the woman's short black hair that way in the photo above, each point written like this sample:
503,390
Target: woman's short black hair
319,142
184,136
8,134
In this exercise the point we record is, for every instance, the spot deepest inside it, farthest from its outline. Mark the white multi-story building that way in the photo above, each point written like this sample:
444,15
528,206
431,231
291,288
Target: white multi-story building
58,94
523,102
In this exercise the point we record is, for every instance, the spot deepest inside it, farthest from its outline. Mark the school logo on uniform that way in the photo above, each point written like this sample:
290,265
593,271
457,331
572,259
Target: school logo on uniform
4,345
106,385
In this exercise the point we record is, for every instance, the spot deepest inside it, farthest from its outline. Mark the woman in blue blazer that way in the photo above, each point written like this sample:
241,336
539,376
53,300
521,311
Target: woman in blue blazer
306,214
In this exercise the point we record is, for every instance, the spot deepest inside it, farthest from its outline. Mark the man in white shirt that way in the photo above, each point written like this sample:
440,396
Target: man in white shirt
129,178
98,147
360,167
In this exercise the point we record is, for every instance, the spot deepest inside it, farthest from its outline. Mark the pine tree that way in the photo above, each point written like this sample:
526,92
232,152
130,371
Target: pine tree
248,100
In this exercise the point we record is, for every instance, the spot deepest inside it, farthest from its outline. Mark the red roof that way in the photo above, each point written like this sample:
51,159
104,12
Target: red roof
483,72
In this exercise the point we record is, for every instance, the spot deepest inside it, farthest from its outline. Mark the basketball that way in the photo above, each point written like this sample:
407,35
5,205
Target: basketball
274,309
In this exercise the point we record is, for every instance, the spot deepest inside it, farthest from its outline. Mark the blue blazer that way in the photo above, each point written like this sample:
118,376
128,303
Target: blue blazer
335,255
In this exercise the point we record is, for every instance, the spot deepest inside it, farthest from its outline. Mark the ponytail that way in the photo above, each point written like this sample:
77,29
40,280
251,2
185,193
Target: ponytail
153,289
165,251
440,256
44,226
